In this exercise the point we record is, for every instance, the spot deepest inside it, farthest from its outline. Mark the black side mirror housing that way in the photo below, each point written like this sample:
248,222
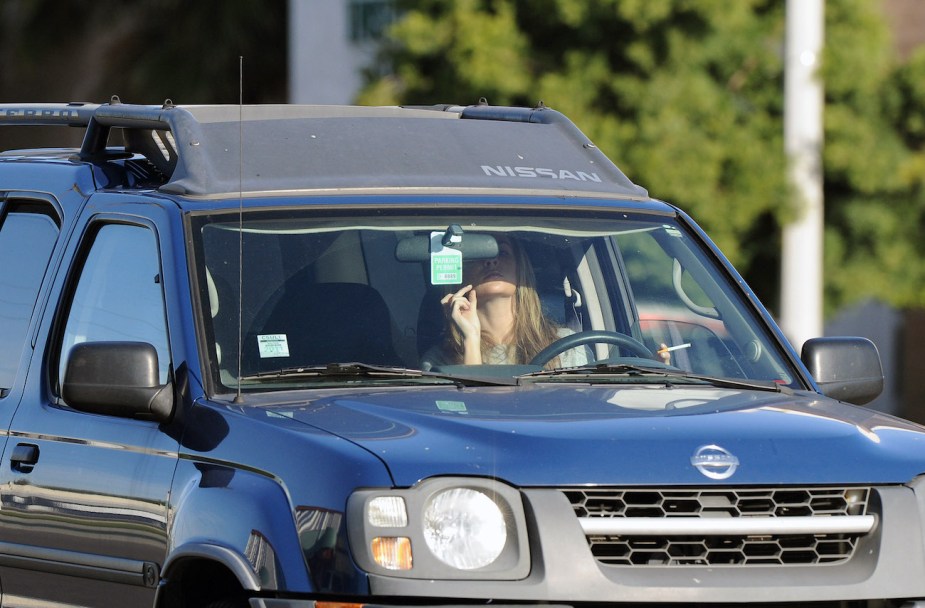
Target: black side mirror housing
847,369
117,379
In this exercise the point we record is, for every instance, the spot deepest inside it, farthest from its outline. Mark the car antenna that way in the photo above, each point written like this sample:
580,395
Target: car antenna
238,398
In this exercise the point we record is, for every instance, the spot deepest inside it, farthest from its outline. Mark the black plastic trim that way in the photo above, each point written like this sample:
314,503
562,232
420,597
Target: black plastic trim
84,565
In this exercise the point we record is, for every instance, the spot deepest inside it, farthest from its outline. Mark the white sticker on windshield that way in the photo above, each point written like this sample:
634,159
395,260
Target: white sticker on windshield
273,345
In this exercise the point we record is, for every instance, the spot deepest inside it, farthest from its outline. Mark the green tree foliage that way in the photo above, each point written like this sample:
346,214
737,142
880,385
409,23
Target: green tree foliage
686,96
874,162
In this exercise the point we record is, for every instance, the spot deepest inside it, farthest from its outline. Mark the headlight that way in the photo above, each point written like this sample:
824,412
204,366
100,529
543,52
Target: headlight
464,528
442,528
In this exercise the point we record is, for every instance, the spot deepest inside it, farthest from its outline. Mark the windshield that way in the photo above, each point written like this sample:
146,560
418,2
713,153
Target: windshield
291,297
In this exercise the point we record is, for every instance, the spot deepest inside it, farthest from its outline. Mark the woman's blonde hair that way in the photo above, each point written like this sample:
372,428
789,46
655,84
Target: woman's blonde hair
533,331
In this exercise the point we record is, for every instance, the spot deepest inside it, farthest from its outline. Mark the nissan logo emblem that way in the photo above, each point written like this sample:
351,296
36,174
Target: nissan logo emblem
715,462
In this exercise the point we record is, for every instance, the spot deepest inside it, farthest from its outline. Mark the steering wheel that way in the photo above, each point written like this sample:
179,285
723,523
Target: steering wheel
591,337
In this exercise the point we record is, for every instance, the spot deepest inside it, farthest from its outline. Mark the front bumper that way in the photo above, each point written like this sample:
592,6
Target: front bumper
888,563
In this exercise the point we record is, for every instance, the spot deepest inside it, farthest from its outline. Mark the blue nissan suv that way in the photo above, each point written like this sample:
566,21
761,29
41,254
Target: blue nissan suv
328,357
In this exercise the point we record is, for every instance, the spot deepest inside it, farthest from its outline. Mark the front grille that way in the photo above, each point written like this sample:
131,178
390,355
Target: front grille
771,526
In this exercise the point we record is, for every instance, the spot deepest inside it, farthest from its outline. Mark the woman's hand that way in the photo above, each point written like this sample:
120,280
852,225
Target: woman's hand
462,307
664,353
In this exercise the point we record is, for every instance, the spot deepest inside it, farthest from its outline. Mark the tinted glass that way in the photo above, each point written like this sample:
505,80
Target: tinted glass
26,242
373,289
119,297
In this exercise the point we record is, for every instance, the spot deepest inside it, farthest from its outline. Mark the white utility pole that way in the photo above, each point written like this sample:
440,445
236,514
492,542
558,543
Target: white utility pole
801,280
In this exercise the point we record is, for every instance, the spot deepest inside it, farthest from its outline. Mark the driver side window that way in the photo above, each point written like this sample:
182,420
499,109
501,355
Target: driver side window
118,296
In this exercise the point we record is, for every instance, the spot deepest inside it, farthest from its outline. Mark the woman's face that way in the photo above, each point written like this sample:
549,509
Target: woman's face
497,276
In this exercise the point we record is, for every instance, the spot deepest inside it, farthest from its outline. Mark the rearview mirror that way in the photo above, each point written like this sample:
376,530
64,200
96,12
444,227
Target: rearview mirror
473,247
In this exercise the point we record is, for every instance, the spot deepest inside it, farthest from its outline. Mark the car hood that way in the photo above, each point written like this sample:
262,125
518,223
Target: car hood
555,435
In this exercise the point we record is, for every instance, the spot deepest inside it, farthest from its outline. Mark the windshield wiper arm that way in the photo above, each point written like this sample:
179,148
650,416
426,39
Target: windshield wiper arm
366,370
600,368
667,376
338,370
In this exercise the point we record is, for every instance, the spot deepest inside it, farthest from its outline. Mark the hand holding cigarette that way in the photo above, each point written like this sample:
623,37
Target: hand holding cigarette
665,351
668,349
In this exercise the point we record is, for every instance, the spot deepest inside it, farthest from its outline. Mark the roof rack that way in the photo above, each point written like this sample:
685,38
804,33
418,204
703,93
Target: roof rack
218,150
67,114
140,124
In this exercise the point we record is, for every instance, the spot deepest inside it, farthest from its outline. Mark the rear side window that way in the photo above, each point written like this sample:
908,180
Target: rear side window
28,232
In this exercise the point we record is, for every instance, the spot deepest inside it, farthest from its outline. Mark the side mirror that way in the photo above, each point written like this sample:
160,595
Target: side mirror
847,369
117,379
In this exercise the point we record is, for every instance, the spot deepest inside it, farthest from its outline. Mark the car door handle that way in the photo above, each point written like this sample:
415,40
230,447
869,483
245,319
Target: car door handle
24,457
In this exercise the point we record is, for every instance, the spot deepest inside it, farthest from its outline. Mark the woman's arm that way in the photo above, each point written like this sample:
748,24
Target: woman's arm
462,308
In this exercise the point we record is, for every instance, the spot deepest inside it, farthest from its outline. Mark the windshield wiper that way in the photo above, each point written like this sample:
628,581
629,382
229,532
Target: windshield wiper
337,370
354,370
663,375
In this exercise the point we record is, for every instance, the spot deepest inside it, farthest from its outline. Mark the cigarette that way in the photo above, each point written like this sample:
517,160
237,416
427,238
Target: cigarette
668,349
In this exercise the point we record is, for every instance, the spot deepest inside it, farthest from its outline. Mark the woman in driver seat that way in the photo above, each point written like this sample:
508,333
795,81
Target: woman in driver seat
497,317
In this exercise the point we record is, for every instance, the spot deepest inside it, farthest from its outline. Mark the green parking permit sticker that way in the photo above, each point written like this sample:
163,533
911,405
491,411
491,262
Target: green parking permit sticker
446,268
451,406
